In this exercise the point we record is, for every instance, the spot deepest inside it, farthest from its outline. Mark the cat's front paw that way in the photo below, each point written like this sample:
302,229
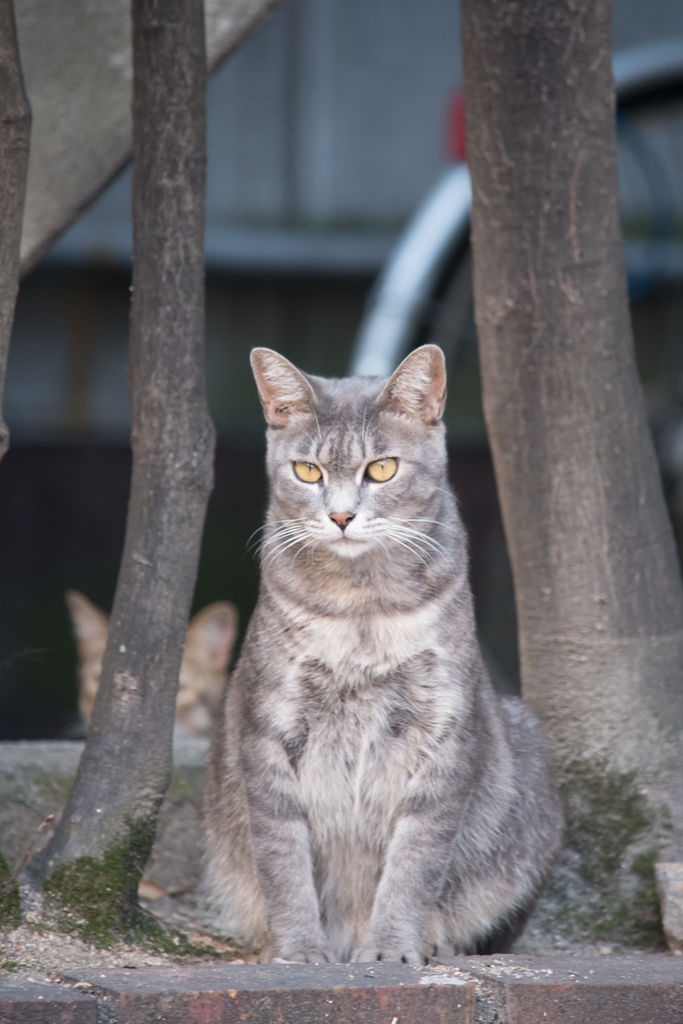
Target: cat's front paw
374,949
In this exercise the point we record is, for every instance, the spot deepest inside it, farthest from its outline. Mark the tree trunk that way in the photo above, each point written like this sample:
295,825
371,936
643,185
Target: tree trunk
15,132
598,589
106,833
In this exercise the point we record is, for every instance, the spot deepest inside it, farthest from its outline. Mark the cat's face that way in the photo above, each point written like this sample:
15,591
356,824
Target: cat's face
356,465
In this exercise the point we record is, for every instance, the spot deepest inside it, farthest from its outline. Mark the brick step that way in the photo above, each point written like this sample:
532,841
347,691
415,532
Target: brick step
645,989
32,1002
282,993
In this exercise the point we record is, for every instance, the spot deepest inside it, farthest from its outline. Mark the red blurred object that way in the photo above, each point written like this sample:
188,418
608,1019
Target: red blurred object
456,132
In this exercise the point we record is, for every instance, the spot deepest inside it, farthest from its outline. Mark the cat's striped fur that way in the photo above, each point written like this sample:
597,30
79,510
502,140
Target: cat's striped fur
369,795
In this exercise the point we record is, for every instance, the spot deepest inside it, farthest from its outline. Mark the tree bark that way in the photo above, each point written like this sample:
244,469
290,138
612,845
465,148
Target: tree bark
598,588
15,132
126,765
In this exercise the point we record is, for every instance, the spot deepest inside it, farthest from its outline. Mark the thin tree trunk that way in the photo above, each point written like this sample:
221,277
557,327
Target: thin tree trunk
598,589
15,132
127,762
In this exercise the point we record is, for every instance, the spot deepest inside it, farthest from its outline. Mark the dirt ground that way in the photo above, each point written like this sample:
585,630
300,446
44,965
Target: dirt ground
33,950
37,952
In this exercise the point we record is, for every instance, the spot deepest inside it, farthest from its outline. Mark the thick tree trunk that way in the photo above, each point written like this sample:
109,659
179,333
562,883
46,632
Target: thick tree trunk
126,765
15,132
598,589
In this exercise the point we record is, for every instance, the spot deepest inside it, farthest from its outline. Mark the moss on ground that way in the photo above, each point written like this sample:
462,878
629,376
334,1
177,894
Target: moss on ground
97,900
634,922
10,902
605,815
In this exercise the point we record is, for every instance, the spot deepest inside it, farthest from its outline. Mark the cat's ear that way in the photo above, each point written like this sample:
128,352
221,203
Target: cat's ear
211,636
91,625
283,390
417,389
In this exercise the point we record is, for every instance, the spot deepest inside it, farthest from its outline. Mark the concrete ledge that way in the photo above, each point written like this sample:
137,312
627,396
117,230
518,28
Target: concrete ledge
291,993
30,1002
646,989
36,777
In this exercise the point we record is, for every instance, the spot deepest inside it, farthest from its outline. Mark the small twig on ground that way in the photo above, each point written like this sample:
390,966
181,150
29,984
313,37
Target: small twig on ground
47,820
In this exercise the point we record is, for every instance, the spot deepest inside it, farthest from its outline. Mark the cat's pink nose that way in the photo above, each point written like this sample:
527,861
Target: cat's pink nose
342,519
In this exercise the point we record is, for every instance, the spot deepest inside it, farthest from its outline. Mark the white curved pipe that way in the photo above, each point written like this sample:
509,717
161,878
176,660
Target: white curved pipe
441,222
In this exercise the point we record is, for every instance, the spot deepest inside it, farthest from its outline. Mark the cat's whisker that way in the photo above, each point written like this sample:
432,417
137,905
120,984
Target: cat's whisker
384,547
414,551
431,553
304,433
366,426
403,522
423,538
404,543
281,550
273,522
281,539
314,540
444,490
409,531
315,544
434,545
419,542
437,522
293,537
283,535
277,539
315,417
290,526
249,546
284,531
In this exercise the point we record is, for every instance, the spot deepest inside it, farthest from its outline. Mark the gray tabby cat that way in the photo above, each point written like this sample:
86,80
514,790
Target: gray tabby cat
369,796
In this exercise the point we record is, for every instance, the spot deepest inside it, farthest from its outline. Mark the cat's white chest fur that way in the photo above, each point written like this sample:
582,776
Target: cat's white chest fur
365,752
352,646
377,694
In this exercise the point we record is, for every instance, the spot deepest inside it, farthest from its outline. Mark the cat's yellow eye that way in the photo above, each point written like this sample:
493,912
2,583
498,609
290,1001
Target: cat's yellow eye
307,472
382,470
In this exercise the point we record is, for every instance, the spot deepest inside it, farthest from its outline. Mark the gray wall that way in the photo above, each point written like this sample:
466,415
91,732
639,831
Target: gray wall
328,124
333,112
325,130
646,21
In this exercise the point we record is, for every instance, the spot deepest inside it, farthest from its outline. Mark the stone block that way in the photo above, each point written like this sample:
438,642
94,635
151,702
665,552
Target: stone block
636,989
35,780
510,989
669,879
32,1002
279,993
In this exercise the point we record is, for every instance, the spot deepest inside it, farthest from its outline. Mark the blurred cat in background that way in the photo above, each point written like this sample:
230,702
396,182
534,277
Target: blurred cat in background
210,640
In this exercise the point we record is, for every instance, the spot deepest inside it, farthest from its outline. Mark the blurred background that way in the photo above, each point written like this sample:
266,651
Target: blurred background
326,130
